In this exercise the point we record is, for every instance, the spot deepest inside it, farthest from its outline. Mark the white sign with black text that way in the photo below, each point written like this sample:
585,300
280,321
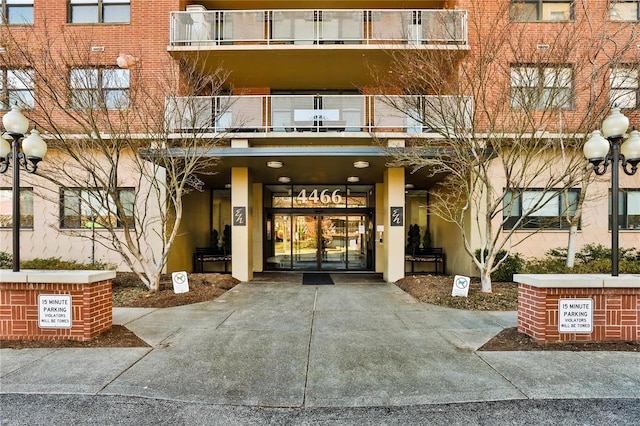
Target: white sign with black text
575,315
54,311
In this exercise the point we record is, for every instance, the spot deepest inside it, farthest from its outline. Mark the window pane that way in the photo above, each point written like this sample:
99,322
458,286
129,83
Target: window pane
624,11
525,12
552,11
20,15
84,14
84,78
533,200
115,78
26,208
71,209
116,99
116,13
633,209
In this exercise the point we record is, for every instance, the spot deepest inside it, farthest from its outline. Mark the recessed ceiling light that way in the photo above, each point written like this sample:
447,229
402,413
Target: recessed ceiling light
409,186
353,179
284,179
227,185
274,164
361,164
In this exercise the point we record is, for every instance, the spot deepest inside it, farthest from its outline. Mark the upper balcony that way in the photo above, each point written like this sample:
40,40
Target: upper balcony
297,116
199,29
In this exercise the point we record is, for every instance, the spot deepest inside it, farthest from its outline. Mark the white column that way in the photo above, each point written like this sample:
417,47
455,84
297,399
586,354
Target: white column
241,224
394,235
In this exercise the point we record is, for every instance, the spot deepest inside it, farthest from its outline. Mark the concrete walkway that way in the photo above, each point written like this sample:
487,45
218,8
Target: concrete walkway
361,342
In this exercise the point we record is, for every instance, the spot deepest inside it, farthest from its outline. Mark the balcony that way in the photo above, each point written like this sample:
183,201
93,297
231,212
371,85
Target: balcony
339,28
279,115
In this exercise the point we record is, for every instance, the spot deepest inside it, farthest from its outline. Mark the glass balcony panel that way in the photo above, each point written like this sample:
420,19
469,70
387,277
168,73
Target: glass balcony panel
189,113
343,113
197,28
390,25
240,113
341,27
387,117
243,27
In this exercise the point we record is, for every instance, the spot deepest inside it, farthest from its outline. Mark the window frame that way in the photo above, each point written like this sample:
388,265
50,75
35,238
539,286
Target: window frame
83,221
100,6
516,16
531,223
8,5
612,11
96,88
26,199
6,90
623,210
629,84
524,94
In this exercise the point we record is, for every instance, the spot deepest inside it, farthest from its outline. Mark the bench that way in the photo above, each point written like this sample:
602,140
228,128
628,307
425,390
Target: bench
433,255
209,254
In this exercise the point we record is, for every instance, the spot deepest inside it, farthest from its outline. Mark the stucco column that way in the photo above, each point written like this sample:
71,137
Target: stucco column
241,224
394,224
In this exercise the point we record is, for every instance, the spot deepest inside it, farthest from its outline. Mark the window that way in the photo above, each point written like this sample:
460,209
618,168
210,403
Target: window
106,88
624,87
17,12
16,88
541,10
87,208
543,209
541,87
625,10
26,208
628,209
99,11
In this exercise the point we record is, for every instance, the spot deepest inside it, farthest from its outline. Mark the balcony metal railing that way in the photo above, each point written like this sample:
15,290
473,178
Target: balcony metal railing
319,113
308,27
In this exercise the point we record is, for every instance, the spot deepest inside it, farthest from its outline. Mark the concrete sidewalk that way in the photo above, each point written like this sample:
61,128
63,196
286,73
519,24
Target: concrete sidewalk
360,342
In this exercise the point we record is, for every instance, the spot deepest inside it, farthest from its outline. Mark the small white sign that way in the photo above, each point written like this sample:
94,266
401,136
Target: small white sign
54,311
180,282
575,316
460,286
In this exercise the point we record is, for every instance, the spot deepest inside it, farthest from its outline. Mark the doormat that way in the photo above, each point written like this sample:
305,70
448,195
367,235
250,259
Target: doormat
316,279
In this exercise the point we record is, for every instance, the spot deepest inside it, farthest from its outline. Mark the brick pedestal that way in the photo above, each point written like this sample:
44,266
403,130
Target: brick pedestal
615,306
91,303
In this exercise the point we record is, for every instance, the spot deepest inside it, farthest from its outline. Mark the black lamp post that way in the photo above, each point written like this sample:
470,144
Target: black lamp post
625,151
33,150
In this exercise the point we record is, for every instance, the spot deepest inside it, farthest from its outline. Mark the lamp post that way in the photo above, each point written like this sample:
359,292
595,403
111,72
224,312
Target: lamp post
33,150
625,152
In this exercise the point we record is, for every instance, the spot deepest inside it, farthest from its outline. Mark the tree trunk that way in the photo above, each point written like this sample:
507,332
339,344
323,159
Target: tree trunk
485,280
571,246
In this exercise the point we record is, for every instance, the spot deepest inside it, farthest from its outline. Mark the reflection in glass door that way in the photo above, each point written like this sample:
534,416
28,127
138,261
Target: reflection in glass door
331,242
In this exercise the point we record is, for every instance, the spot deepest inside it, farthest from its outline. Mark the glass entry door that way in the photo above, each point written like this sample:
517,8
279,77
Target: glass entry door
320,242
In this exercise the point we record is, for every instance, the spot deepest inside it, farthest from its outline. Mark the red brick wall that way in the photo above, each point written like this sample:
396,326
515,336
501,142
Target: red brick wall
91,311
616,313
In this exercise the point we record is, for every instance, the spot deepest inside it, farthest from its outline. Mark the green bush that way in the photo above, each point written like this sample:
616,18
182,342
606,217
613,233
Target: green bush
6,260
52,263
513,264
591,259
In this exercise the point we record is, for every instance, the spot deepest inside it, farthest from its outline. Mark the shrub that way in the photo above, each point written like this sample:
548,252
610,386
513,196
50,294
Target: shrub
66,265
591,259
513,264
6,260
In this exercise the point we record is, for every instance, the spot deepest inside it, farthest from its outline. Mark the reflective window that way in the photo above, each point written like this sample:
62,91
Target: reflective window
94,208
625,10
99,88
26,208
17,12
16,88
628,209
538,209
99,11
538,88
541,10
625,87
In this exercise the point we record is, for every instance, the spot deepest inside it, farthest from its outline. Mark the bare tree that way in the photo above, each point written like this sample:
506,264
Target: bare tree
127,139
509,116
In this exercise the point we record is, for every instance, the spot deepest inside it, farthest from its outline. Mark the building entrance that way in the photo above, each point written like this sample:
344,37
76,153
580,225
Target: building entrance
322,241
